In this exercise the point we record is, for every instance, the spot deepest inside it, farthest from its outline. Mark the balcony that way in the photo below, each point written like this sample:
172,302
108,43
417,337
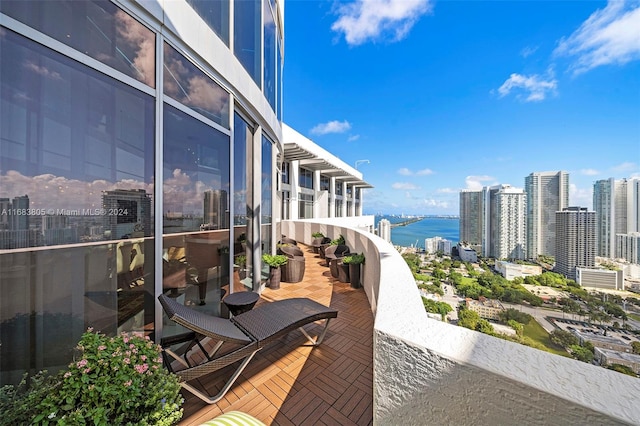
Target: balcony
385,362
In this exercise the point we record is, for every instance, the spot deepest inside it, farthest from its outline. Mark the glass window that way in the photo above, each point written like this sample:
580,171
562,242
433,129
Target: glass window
269,55
76,168
285,214
96,28
305,206
306,178
246,36
195,254
187,84
242,195
216,14
286,166
266,203
325,183
338,188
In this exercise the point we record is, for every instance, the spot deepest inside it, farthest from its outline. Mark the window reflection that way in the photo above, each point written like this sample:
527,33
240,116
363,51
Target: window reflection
269,55
242,149
216,14
246,36
195,212
76,175
96,28
266,210
184,82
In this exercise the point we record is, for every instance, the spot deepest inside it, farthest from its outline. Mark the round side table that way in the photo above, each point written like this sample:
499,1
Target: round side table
242,301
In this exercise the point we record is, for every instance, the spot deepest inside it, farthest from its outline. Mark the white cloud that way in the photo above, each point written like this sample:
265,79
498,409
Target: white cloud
589,172
353,138
424,172
580,196
528,51
624,167
334,126
404,186
476,182
447,191
609,36
436,203
536,87
364,20
407,172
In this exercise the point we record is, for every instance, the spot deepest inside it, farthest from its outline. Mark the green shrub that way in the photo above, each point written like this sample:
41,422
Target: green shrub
353,259
274,260
317,235
114,380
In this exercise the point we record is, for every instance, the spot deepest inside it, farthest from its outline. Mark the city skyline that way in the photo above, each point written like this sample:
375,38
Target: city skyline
525,87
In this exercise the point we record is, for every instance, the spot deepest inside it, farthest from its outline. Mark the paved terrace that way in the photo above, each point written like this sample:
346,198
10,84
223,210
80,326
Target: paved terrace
290,384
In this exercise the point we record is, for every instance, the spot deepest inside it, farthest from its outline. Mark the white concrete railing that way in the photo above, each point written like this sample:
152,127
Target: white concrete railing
429,372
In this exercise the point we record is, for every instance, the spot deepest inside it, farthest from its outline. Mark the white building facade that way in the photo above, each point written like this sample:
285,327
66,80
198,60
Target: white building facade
547,192
504,231
575,240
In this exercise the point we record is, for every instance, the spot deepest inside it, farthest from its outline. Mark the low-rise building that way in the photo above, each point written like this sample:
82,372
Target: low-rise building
467,254
607,357
600,278
512,270
486,308
603,342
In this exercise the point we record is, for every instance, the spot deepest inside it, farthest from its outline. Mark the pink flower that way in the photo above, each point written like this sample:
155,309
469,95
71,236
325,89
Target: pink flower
126,360
131,346
125,339
102,347
67,374
81,363
141,368
143,357
127,383
86,370
90,329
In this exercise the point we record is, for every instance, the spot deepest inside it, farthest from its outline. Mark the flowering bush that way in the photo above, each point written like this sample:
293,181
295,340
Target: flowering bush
114,380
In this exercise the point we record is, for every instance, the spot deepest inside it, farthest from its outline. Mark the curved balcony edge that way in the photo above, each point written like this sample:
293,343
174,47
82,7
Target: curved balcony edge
430,372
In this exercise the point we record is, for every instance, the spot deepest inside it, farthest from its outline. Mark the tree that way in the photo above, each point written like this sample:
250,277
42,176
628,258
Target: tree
432,306
635,346
484,326
516,315
563,338
468,319
580,353
622,369
519,328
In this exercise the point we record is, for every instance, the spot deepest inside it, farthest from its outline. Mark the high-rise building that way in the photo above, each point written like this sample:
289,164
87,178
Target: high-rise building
628,247
504,227
127,212
547,193
616,204
471,211
384,230
575,240
216,209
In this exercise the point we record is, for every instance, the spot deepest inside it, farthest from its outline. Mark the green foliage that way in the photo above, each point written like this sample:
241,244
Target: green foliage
274,260
635,346
518,327
468,319
432,306
622,369
515,315
563,338
115,380
485,327
353,259
241,260
413,261
17,404
581,353
338,241
317,235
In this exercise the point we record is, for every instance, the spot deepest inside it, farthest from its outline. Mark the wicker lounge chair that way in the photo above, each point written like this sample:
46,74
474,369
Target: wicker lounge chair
247,333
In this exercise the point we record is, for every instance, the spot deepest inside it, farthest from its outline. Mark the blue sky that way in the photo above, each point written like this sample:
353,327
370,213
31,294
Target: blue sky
447,95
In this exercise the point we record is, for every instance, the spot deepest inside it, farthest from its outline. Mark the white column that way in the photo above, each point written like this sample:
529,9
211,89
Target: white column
332,197
316,191
343,210
294,180
359,209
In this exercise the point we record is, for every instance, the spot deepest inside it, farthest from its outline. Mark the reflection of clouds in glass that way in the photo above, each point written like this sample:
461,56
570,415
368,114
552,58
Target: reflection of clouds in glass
182,194
48,191
52,75
140,40
187,84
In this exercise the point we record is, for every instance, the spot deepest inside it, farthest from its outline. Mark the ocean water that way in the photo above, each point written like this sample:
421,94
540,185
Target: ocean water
429,227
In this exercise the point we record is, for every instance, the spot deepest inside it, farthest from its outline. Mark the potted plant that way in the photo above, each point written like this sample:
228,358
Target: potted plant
274,261
318,240
241,261
113,380
354,261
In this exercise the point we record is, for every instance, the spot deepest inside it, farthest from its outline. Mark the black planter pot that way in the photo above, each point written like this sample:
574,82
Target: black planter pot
343,272
354,275
274,278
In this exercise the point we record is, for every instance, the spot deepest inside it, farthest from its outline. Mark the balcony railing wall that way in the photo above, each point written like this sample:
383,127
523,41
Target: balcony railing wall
430,372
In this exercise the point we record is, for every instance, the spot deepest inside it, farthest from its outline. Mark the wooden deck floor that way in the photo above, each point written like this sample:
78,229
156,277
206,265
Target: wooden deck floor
290,384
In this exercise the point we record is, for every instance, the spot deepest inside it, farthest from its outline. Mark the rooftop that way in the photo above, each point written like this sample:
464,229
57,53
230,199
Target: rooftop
287,383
